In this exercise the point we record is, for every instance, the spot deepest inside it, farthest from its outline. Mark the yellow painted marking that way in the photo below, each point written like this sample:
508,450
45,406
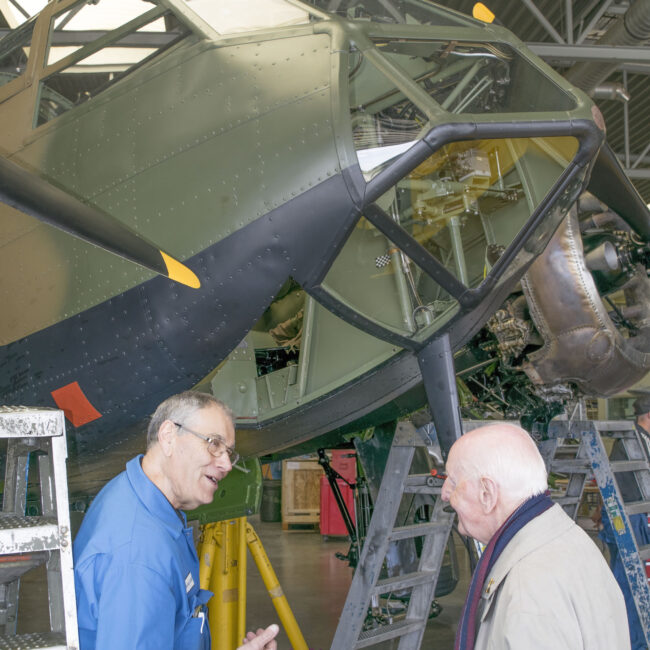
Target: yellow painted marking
619,526
481,12
179,272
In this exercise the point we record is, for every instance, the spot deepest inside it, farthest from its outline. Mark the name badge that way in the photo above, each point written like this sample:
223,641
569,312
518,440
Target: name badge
189,582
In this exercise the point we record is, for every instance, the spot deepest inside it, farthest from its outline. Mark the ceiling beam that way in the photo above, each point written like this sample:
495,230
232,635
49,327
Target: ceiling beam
80,38
541,18
608,53
638,174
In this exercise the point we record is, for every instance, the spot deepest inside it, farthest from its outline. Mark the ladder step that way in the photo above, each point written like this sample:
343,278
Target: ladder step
27,534
567,501
577,466
418,530
644,552
421,484
37,641
628,465
637,507
620,428
396,583
386,632
14,566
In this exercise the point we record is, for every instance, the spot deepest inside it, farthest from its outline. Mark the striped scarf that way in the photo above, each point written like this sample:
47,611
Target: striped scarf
528,510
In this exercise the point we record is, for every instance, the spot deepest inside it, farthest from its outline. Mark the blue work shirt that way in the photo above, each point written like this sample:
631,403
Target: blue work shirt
137,571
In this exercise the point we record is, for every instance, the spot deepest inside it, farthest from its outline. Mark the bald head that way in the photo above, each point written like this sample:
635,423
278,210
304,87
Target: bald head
491,471
508,455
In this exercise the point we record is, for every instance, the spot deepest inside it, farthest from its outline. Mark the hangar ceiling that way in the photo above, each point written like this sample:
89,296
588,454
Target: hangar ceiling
603,46
604,50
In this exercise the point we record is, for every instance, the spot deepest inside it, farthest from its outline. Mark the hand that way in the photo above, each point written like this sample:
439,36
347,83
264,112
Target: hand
261,640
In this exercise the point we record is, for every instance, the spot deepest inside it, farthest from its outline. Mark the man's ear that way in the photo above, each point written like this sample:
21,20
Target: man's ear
488,494
166,437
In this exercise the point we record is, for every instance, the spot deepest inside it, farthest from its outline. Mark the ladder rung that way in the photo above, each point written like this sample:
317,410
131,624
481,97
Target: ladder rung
14,566
637,507
567,501
618,426
36,641
418,530
419,484
27,534
628,433
403,582
644,552
391,631
577,466
628,465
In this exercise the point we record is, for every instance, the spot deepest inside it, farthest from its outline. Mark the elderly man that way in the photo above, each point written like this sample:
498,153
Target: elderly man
136,568
541,582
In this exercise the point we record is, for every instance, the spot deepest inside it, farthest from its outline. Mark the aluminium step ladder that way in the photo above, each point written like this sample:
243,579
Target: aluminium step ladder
366,584
628,465
27,541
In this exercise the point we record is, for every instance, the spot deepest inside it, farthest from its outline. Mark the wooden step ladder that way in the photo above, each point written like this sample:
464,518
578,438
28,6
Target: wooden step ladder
27,541
590,458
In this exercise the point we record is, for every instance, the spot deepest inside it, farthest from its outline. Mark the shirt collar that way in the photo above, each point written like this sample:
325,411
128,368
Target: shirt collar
153,499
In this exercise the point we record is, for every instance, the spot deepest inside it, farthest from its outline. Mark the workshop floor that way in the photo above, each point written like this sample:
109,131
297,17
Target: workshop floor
316,585
314,581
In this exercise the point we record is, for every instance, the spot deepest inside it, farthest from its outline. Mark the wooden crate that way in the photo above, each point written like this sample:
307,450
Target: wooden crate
300,493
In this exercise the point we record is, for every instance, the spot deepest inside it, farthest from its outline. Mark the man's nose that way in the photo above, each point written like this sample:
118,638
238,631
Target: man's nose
223,462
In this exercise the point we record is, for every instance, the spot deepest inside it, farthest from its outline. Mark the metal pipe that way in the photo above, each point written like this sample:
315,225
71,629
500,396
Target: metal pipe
543,20
461,84
611,91
592,23
241,578
272,585
457,245
568,12
305,345
626,125
641,156
629,30
207,549
400,279
223,607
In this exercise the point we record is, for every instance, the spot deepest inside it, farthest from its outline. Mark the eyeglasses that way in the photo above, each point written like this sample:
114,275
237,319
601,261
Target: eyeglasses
216,445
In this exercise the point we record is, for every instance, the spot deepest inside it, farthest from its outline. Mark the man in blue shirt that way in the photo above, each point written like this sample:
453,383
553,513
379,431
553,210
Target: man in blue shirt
136,567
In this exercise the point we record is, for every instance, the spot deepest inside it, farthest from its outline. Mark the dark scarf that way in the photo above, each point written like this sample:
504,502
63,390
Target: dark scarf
528,510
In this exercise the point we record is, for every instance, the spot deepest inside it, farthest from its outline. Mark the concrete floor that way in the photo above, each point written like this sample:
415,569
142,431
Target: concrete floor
314,581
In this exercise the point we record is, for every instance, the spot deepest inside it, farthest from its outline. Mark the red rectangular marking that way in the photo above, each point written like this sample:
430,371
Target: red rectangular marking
72,401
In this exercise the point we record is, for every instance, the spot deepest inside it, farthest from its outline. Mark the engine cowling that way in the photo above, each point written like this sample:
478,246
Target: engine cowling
588,340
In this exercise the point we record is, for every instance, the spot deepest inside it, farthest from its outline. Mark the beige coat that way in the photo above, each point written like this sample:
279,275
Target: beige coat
551,589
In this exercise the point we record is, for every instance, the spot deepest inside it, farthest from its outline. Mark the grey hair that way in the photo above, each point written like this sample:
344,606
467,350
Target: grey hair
180,407
518,468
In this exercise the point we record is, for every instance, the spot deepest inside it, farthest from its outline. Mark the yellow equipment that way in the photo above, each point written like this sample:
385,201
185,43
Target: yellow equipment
222,556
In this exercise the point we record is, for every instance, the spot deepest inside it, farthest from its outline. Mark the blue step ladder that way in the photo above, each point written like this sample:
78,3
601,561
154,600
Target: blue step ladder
627,466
